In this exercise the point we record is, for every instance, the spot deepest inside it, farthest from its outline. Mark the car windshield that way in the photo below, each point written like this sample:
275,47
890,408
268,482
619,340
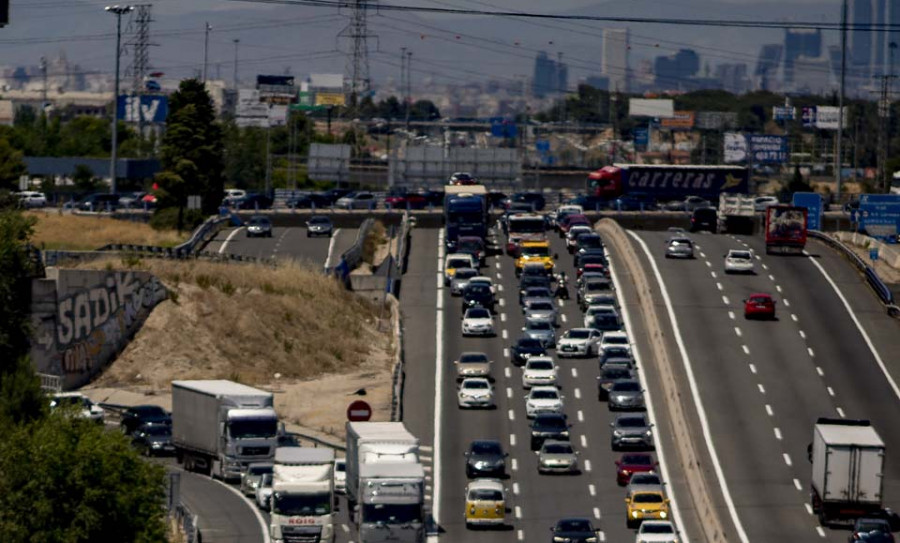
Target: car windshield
259,470
478,289
558,448
149,412
629,386
301,504
540,306
526,225
478,313
596,286
473,358
544,395
740,255
578,334
244,428
530,343
259,221
592,311
459,263
535,251
645,479
539,325
465,273
391,513
486,447
485,494
616,374
537,292
574,526
470,245
652,528
647,497
320,220
616,340
631,422
637,460
864,526
616,351
592,259
589,241
550,422
540,365
476,385
760,300
157,430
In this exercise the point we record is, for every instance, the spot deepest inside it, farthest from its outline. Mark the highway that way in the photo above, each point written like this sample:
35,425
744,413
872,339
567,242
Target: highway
224,517
764,383
291,243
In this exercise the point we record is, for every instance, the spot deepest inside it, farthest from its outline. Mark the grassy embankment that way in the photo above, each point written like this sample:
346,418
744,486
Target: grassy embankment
81,233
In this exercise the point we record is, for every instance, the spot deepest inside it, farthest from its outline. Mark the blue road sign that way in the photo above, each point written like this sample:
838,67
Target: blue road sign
880,220
812,201
503,128
642,137
879,199
542,146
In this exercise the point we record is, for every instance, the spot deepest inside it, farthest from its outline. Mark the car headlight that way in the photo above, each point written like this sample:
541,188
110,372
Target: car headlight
634,514
663,514
649,433
156,444
591,540
558,539
617,433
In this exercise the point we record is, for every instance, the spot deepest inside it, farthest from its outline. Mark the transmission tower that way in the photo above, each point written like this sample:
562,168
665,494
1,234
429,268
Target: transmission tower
140,46
358,62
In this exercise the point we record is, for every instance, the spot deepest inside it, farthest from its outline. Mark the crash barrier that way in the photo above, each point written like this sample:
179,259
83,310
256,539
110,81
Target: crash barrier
51,384
189,523
352,257
875,282
398,372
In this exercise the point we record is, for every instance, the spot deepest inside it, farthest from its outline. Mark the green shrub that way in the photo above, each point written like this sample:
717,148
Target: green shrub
167,219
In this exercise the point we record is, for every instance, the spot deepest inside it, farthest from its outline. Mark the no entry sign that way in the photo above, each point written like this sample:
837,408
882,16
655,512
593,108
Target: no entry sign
359,411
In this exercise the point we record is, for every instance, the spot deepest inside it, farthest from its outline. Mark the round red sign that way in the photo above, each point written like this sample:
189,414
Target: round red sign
359,411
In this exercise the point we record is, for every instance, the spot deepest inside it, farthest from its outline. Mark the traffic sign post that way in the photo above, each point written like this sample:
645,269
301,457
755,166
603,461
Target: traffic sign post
812,201
879,216
359,411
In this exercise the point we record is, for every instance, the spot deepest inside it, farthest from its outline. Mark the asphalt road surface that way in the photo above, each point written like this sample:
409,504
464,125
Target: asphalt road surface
285,243
764,383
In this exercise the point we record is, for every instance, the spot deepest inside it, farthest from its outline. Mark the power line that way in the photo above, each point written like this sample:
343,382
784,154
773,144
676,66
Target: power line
358,62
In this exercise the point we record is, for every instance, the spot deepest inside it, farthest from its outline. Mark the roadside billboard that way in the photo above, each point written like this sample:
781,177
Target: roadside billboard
715,120
144,108
768,149
330,99
249,111
681,120
824,117
646,107
734,147
276,89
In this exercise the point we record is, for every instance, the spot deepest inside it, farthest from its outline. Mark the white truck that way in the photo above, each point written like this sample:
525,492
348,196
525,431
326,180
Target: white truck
302,495
847,470
219,427
385,483
737,214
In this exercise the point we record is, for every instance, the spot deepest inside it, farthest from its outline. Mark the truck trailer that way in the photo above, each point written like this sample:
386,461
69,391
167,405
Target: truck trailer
302,495
667,181
737,214
385,482
219,427
847,470
466,213
785,229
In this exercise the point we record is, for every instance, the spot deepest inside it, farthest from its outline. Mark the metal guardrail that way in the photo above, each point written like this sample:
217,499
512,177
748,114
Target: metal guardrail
875,283
398,375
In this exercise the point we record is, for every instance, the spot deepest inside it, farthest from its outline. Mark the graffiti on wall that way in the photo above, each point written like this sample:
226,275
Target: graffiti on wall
93,324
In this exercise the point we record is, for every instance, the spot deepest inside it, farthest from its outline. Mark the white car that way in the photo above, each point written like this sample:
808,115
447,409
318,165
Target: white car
81,405
475,392
739,261
264,492
760,203
539,371
598,309
579,342
573,233
340,476
456,261
478,321
543,399
656,531
615,339
30,198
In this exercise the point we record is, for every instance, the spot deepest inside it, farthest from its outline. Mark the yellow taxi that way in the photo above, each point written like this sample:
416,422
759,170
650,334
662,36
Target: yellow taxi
643,505
455,261
534,251
485,503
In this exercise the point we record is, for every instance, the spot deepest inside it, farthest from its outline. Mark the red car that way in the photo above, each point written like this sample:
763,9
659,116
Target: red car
759,306
632,463
572,220
405,201
592,268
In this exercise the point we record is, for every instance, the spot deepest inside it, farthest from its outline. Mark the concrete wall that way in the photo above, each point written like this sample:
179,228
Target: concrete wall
83,318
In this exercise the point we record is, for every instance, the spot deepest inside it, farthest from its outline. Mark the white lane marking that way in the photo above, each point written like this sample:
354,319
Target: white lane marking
771,277
564,318
719,286
427,469
602,535
820,531
702,254
511,414
808,509
648,397
725,300
574,372
502,317
587,465
345,528
562,303
753,368
794,317
765,267
797,485
830,391
769,410
502,302
499,275
597,513
440,303
331,244
713,274
787,459
504,335
811,352
746,349
762,389
778,434
802,334
438,394
577,393
499,288
737,331
840,412
731,315
518,512
520,535
580,416
859,327
820,371
509,394
506,355
506,371
515,465
425,458
708,265
440,281
497,264
778,288
592,489
583,441
512,440
758,257
426,448
516,489
787,302
252,505
230,237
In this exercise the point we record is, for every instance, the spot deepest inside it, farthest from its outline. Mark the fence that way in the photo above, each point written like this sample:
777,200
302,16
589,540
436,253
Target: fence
398,375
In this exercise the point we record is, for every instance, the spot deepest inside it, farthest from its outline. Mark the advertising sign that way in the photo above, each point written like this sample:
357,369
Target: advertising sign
715,120
249,111
783,113
643,107
735,147
682,120
641,138
329,98
827,117
768,149
146,108
812,201
503,128
276,89
809,117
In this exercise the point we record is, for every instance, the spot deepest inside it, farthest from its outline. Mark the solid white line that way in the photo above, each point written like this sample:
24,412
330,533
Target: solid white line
648,397
592,489
769,410
583,441
587,465
802,334
597,513
504,335
859,327
574,372
725,300
518,512
820,531
440,303
438,398
840,412
787,459
440,281
778,434
512,414
753,368
808,508
509,393
563,317
502,317
516,489
515,465
331,243
731,315
506,355
580,416
231,237
512,440
577,393
762,389
830,391
746,349
737,331
252,505
797,484
820,371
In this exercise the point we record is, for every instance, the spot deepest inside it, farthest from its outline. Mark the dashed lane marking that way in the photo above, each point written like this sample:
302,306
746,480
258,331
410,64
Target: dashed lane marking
504,334
809,509
798,486
587,465
725,300
506,371
753,368
787,303
708,265
762,389
592,489
512,415
787,459
516,489
597,513
502,317
802,334
577,393
583,441
520,535
564,318
512,440
778,434
508,392
518,512
737,331
769,410
840,412
820,531
515,465
580,416
574,372
810,351
731,315
820,371
746,349
506,355
719,286
830,391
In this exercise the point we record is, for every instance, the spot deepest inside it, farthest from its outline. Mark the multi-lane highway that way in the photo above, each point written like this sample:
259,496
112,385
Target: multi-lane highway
286,242
764,383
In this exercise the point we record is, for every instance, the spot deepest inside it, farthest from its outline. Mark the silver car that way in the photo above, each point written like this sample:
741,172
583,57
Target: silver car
557,457
578,342
632,431
541,309
472,364
264,492
542,331
357,200
626,394
645,482
461,279
253,475
259,226
680,248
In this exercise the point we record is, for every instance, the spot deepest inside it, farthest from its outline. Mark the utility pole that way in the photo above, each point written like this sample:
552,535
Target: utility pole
840,138
403,77
118,11
408,86
140,44
236,43
206,50
562,91
358,62
44,90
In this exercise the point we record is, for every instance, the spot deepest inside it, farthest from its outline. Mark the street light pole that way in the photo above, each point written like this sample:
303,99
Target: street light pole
840,137
236,42
118,11
206,50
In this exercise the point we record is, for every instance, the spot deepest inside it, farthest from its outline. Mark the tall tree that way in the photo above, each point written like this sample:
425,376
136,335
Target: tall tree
12,166
193,135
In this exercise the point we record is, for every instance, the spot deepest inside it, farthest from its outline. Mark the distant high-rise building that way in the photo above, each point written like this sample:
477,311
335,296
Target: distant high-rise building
767,65
615,58
892,17
675,71
599,82
550,76
733,77
799,43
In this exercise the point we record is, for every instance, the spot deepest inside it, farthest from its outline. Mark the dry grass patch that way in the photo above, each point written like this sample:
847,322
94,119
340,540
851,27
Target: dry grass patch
247,323
81,233
376,237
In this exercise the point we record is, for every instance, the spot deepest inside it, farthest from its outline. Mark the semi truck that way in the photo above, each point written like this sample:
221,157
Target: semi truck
785,229
667,181
524,227
385,483
302,495
219,427
466,213
847,470
737,214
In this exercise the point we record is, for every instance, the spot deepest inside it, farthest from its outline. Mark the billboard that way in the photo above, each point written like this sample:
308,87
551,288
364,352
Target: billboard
145,108
715,120
329,99
734,147
249,111
644,107
768,149
783,113
812,201
824,117
503,128
276,89
642,138
681,120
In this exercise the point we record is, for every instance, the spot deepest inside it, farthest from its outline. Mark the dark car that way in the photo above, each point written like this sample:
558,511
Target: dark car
591,256
584,242
153,440
574,530
472,245
611,373
477,295
705,218
259,226
308,201
254,201
589,203
535,200
496,199
333,195
548,426
319,225
534,293
434,197
871,530
525,348
485,458
139,415
634,202
530,281
606,322
617,353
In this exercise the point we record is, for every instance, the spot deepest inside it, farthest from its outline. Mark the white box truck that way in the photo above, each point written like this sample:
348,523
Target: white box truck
302,495
218,427
385,483
737,214
847,470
